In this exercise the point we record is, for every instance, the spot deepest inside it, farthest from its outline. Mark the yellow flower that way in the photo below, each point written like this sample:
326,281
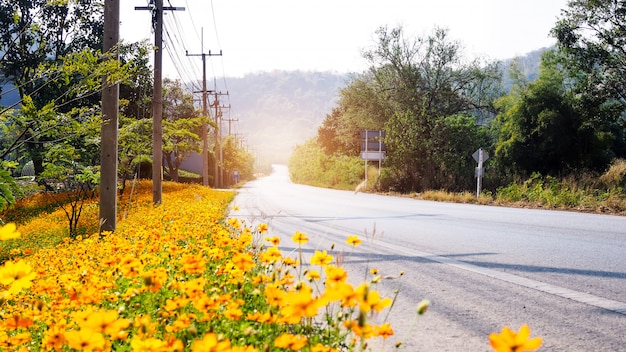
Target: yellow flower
130,266
243,261
154,279
300,238
210,344
54,339
274,295
148,345
274,240
313,275
369,299
272,255
16,321
8,232
321,258
292,342
341,291
321,348
335,274
233,312
384,330
234,222
510,341
106,322
288,261
262,228
299,304
17,275
193,264
354,240
85,340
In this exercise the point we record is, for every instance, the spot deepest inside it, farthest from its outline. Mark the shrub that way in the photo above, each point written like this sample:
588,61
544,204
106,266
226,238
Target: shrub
615,176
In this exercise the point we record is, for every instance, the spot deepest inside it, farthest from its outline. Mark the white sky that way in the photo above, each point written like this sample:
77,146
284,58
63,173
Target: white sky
329,35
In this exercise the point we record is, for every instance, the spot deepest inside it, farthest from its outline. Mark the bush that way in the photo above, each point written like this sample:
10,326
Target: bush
311,166
615,176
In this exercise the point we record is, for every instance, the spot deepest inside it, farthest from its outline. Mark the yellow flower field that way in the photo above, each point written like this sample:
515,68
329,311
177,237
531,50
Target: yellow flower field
179,277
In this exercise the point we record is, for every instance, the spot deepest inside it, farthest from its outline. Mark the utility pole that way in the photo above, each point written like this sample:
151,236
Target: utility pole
157,100
108,130
219,178
205,113
229,120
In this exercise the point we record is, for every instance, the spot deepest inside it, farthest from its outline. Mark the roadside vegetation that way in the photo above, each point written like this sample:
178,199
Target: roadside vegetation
591,193
554,140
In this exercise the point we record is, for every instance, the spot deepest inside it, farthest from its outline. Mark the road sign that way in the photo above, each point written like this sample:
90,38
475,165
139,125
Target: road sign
480,156
477,155
368,144
372,134
373,156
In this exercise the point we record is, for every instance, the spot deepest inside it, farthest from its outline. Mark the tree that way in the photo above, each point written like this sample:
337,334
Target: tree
38,33
136,92
74,183
421,83
591,36
181,126
9,189
135,147
236,159
543,128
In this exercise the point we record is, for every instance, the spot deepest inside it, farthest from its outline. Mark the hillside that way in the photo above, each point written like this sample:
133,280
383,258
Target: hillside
278,110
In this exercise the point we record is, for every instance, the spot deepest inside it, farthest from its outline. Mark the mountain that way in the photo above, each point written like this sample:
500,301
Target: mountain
528,65
278,110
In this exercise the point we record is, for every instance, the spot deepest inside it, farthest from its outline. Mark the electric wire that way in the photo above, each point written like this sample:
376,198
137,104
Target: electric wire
180,45
217,39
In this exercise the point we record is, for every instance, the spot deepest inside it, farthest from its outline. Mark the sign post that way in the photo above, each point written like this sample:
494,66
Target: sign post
372,148
480,156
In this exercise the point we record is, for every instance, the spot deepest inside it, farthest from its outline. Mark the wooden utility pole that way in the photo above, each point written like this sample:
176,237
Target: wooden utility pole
205,114
108,130
230,121
219,178
157,99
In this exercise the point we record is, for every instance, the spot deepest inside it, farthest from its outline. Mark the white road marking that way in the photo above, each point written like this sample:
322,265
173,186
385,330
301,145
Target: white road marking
581,297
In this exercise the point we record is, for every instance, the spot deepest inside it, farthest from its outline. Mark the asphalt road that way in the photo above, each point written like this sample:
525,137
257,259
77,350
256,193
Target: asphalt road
482,267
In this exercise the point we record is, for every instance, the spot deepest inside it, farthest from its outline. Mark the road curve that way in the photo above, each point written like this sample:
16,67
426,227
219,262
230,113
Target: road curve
483,267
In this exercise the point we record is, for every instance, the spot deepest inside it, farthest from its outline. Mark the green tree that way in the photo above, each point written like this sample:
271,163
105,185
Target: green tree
9,189
422,83
181,127
71,180
35,37
542,128
591,35
135,147
307,163
236,159
136,91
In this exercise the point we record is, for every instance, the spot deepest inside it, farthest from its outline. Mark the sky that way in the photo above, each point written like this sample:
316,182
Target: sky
330,35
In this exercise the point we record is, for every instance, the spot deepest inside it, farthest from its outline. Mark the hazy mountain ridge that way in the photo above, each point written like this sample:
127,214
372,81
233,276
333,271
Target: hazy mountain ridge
280,109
